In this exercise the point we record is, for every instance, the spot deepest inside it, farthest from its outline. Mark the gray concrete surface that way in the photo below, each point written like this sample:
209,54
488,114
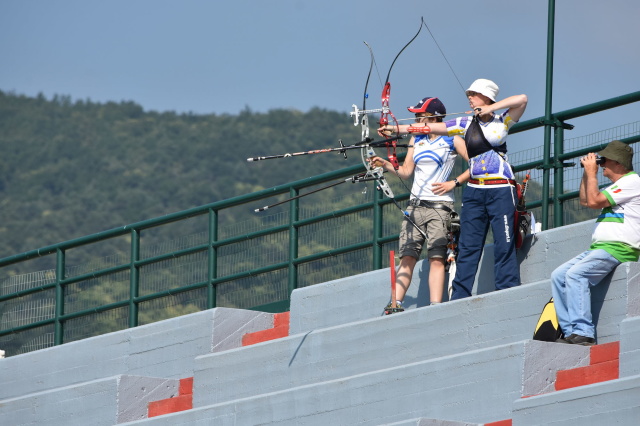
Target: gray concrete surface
616,402
431,422
630,347
364,296
473,387
162,349
105,402
381,342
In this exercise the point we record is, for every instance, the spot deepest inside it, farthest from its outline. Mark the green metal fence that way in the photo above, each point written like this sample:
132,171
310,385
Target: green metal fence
224,254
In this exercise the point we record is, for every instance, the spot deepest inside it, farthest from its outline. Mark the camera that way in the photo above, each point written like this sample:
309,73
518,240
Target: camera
599,161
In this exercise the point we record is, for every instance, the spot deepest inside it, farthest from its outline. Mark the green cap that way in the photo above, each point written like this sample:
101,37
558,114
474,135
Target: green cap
620,152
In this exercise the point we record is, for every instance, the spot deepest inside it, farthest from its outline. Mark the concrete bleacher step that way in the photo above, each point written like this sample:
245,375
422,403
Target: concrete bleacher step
578,409
162,349
106,401
490,377
363,296
184,399
437,422
604,403
614,401
355,348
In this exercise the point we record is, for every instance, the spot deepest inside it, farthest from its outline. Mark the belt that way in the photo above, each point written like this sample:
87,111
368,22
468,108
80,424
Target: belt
424,203
492,181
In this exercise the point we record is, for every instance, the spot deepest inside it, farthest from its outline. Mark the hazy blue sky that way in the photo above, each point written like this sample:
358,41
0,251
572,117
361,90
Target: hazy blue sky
222,56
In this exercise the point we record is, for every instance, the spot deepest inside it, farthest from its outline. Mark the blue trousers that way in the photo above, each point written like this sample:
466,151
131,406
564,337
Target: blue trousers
571,285
482,207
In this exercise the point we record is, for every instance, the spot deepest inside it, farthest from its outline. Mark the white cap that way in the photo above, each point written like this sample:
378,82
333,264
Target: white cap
485,87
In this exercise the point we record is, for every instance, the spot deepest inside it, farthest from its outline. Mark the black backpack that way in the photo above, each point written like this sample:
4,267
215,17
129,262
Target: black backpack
548,329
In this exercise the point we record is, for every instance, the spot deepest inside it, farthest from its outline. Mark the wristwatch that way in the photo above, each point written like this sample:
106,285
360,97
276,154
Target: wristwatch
456,182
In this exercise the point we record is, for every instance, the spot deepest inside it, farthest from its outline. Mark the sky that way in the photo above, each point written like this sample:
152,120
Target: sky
206,56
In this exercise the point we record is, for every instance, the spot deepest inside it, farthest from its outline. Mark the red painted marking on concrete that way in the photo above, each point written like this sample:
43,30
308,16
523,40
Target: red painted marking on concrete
280,329
605,352
182,402
186,386
500,423
171,405
581,376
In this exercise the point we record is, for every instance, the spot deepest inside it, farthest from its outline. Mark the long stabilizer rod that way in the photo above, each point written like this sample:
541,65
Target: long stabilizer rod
343,149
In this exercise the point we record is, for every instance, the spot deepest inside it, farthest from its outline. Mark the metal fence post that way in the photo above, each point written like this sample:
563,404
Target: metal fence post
294,215
134,278
212,253
59,309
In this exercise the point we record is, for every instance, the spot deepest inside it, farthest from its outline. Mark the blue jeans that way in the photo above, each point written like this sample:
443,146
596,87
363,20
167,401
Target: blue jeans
571,285
482,207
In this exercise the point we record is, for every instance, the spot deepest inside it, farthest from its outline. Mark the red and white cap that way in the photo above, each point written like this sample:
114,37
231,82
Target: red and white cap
430,105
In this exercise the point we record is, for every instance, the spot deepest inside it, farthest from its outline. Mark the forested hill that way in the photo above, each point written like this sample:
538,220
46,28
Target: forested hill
70,169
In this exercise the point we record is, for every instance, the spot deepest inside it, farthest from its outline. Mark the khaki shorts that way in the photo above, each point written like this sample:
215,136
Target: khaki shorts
434,223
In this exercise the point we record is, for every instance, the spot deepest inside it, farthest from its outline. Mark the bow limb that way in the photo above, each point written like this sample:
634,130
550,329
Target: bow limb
364,122
386,109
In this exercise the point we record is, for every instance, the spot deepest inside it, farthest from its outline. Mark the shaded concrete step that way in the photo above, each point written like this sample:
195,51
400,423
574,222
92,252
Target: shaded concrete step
605,403
475,387
162,349
105,402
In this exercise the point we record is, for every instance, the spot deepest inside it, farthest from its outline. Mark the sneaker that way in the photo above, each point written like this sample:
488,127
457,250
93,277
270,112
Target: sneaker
388,310
576,339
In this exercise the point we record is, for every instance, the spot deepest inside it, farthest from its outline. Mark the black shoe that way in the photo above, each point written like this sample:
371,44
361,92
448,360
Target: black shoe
388,310
563,340
576,339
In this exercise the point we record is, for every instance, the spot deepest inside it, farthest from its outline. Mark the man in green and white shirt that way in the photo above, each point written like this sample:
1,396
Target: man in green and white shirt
616,239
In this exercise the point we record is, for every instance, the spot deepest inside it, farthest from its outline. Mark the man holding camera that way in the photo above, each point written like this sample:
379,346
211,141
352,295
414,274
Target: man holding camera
615,239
